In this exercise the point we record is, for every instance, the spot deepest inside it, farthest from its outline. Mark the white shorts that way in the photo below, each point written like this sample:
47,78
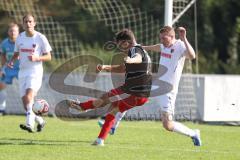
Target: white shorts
166,102
32,81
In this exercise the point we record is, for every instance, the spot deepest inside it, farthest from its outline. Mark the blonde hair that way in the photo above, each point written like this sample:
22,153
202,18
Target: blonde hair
13,24
167,29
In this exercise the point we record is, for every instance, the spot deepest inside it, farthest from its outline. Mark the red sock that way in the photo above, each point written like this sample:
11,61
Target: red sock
109,121
87,105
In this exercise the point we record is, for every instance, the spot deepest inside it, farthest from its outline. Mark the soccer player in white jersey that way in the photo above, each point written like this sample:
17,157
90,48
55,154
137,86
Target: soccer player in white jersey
32,48
173,53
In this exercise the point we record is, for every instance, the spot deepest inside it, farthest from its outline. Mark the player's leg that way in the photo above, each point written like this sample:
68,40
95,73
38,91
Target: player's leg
3,94
170,125
88,105
29,87
123,104
40,123
97,103
109,121
118,118
35,84
27,100
116,96
167,103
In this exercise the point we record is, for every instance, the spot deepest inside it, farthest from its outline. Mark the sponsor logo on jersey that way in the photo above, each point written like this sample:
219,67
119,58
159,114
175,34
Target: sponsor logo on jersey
166,55
27,50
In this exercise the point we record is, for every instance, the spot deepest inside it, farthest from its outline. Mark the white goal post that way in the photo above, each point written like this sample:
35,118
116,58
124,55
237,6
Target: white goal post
174,9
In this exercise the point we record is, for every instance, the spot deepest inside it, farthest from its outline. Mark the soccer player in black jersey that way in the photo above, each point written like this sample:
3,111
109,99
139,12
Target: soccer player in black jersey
134,92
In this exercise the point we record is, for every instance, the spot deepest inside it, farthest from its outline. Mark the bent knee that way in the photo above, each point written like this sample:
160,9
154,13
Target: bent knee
168,126
167,121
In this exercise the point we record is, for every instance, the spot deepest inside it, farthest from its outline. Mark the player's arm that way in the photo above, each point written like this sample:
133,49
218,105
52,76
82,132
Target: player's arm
111,68
45,57
3,56
46,52
3,59
154,48
3,62
190,53
136,59
13,59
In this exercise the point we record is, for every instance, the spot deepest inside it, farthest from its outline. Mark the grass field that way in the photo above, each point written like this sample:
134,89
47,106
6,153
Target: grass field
134,140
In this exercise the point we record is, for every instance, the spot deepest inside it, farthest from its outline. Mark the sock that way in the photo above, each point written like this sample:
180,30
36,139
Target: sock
30,120
182,129
2,100
109,121
87,105
39,119
118,117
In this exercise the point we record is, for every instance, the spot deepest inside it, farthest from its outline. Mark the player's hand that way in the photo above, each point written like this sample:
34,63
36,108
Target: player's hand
182,33
34,58
10,64
99,68
127,60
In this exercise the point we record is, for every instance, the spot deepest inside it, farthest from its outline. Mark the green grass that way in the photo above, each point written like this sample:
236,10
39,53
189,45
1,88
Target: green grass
141,140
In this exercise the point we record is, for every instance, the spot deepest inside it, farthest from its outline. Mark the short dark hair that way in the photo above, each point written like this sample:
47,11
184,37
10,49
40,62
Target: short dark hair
125,34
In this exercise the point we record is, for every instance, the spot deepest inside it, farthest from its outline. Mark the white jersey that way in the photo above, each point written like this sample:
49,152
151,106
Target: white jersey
173,59
26,46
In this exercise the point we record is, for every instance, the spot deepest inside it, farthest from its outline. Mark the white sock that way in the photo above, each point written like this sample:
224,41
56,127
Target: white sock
118,118
3,100
39,119
182,129
30,121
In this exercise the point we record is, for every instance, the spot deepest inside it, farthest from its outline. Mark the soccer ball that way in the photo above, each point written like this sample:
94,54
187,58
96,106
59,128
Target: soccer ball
40,107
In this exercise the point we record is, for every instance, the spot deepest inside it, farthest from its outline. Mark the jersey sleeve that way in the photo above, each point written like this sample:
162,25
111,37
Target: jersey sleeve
45,45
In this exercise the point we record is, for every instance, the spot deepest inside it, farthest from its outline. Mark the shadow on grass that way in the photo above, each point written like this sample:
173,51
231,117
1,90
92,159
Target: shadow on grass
21,141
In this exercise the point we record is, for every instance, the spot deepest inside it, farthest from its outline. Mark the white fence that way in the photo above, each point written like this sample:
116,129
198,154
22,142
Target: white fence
205,98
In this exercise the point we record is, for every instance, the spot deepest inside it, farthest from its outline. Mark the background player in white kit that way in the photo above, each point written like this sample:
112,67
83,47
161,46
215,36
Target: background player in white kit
173,53
32,48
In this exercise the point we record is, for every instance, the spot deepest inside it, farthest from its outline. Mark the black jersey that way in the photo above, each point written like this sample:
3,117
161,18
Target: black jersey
138,77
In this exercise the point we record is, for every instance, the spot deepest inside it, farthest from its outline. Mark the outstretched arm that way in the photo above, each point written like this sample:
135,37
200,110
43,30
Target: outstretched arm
190,51
112,68
154,48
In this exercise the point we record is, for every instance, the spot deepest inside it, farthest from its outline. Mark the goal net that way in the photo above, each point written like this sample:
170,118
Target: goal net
115,14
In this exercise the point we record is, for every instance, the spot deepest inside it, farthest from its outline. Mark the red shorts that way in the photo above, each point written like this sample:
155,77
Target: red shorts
125,101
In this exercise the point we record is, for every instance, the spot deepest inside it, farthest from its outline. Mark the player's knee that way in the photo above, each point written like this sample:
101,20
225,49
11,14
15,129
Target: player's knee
105,98
167,126
114,110
167,121
27,98
98,103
